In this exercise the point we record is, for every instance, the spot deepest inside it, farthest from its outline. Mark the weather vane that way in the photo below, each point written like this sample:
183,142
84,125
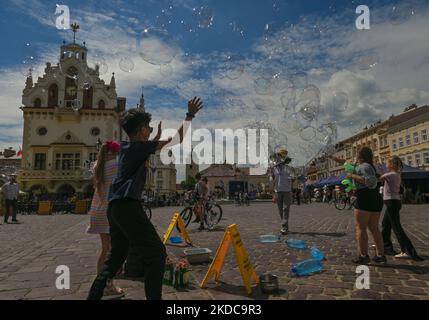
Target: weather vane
74,27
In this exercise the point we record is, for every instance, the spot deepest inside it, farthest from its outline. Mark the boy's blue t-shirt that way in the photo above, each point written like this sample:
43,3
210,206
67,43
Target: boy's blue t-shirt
131,177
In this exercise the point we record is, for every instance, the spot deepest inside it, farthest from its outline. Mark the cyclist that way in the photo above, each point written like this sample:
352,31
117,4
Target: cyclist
200,192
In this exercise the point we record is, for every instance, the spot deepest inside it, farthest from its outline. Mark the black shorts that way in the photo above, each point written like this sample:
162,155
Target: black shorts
369,200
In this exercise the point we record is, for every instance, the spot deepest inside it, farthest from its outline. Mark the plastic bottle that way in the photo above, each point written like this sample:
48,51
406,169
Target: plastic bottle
317,254
296,244
307,267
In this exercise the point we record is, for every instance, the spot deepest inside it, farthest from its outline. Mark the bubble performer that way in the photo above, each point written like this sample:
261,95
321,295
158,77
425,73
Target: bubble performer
280,176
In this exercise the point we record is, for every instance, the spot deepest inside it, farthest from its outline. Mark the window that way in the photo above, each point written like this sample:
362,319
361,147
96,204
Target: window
375,144
394,146
67,161
53,96
159,185
385,141
408,140
101,104
417,159
380,142
416,137
424,135
92,156
159,175
401,142
426,158
410,160
95,131
37,103
40,161
403,159
42,131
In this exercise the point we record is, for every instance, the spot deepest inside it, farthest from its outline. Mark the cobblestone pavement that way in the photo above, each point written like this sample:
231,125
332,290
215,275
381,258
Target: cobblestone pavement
31,251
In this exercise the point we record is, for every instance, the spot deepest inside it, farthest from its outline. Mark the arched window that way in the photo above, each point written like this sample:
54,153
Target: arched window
87,98
101,104
53,96
37,103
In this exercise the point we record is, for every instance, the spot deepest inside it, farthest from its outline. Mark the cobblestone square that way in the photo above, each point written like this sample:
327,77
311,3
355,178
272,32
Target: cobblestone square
31,251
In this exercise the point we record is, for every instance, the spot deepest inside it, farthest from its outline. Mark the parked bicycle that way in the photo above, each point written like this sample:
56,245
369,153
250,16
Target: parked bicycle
342,201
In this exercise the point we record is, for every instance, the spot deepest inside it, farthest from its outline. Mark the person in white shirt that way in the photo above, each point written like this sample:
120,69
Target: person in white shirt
10,192
280,176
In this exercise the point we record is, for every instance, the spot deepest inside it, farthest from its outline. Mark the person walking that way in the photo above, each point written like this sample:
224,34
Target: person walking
281,179
391,220
10,192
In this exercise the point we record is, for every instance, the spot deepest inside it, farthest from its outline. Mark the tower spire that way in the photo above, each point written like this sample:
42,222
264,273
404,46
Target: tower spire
74,28
141,104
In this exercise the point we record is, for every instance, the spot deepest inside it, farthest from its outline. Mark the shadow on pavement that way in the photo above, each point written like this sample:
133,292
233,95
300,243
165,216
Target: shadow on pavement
415,269
257,294
328,234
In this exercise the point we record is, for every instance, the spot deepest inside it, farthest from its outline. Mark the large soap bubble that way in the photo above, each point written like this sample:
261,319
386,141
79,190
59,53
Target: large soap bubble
340,101
126,64
309,103
401,13
157,46
307,133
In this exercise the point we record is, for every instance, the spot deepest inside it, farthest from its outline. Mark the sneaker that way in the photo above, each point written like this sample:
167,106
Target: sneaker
402,255
379,259
362,260
390,252
284,231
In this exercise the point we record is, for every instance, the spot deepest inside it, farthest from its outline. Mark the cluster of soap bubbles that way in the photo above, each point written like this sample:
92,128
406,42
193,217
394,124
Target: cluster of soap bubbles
29,61
204,16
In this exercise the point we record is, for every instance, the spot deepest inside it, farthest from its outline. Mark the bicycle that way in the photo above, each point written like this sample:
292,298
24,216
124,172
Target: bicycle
342,201
212,214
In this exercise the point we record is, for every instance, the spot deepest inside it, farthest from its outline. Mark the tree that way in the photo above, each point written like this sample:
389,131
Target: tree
188,184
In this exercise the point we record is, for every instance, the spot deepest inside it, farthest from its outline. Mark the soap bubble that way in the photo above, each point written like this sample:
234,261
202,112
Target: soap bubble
164,19
309,102
157,46
367,61
205,16
126,64
299,79
307,133
86,82
292,123
263,86
400,13
288,99
263,104
340,101
29,61
237,28
97,62
233,66
166,70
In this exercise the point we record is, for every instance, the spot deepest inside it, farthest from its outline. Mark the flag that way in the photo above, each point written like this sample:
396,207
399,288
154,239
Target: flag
19,154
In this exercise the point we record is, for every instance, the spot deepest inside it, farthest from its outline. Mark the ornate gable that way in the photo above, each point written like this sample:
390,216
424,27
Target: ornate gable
68,137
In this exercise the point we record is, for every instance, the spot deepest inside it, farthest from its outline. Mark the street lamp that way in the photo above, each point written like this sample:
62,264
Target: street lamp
99,144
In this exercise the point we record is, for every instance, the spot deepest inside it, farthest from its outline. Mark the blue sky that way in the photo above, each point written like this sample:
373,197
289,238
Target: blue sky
311,46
